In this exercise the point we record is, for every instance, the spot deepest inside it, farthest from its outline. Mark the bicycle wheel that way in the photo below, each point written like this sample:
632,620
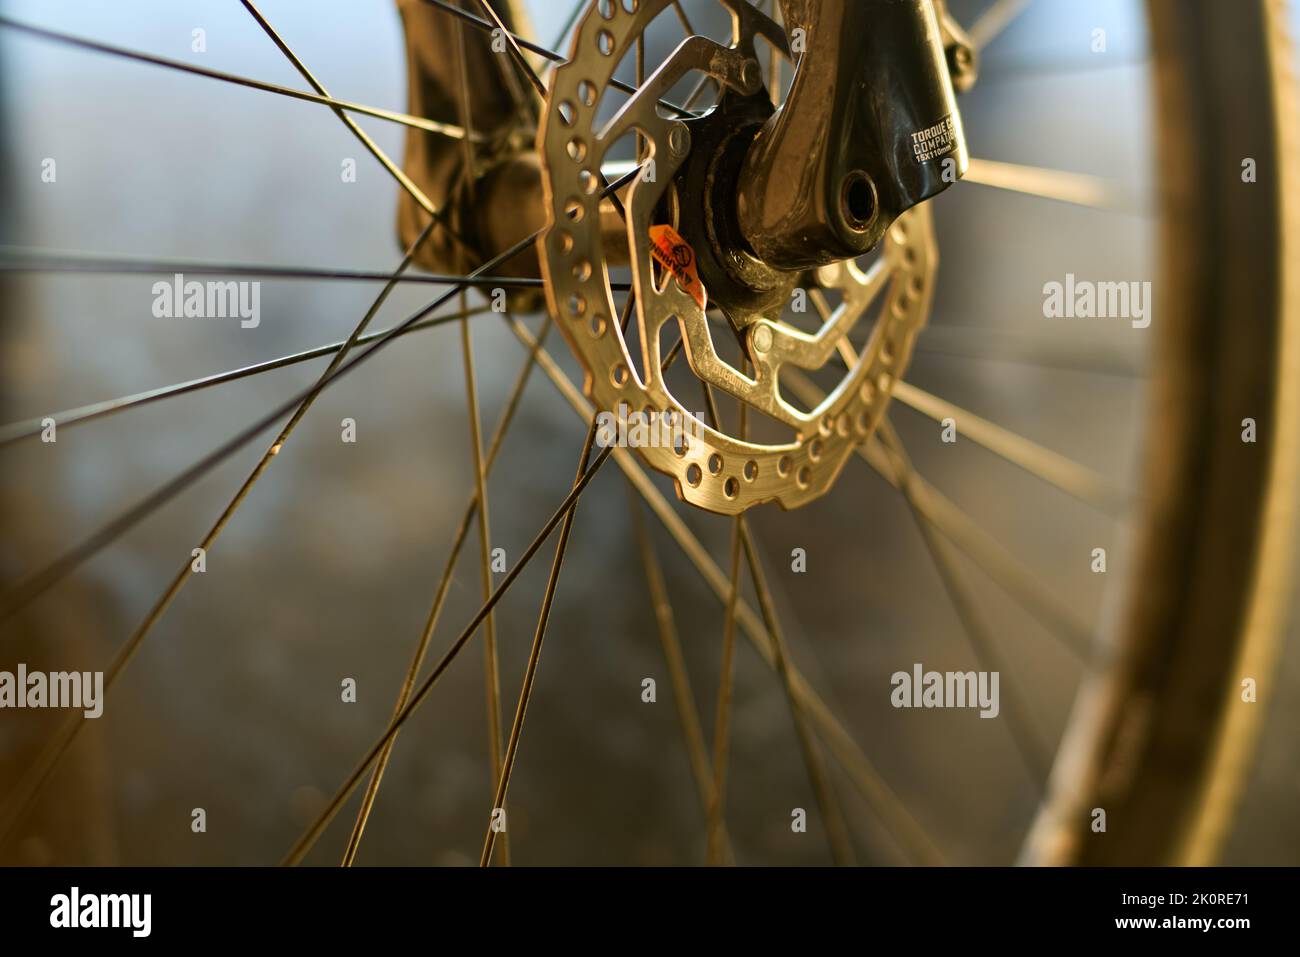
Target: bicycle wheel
1166,733
1160,735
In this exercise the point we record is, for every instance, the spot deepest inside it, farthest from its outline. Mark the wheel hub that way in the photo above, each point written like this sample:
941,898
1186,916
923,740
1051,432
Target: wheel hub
715,469
703,204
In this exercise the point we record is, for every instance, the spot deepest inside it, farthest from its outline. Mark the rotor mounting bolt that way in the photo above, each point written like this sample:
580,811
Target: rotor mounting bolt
751,75
762,338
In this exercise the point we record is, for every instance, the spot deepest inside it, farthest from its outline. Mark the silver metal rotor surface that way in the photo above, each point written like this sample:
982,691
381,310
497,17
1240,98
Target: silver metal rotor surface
714,470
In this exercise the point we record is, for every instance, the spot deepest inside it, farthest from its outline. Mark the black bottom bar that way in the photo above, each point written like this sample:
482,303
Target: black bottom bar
330,906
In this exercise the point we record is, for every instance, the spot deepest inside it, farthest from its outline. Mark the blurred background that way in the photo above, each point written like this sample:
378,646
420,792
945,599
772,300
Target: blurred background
326,573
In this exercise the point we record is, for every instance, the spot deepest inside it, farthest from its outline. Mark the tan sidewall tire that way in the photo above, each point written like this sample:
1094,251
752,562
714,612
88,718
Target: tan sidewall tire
1160,738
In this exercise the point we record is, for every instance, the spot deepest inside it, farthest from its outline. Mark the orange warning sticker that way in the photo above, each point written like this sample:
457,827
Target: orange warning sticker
676,255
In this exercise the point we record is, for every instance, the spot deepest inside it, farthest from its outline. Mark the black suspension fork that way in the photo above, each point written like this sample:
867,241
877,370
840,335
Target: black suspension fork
870,128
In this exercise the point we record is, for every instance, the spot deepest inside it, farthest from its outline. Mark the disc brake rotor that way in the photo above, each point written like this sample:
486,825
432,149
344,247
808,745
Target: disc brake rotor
712,469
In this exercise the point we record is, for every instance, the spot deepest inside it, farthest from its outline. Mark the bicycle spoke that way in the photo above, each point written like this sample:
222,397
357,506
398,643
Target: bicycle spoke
430,126
1051,467
722,722
385,747
36,584
994,20
393,169
69,417
440,593
519,43
1077,354
1077,189
1031,750
491,666
21,261
898,821
950,535
526,105
1029,70
314,831
50,757
1013,576
687,715
514,44
534,655
726,671
1069,476
487,27
683,19
569,22
1008,572
837,830
502,783
526,69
